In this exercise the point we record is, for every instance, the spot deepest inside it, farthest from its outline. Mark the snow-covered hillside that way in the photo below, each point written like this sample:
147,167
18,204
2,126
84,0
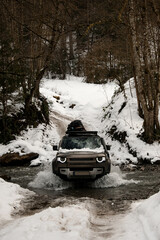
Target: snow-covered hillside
114,118
122,127
69,99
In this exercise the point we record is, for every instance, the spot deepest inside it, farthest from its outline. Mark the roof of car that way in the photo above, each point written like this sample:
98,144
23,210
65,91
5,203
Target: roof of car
81,133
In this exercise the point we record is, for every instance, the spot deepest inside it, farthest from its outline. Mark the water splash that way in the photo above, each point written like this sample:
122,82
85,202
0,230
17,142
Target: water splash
47,180
114,179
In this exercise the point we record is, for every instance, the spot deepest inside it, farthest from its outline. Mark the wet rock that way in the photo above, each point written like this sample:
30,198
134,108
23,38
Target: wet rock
142,168
157,162
128,167
6,177
144,161
14,159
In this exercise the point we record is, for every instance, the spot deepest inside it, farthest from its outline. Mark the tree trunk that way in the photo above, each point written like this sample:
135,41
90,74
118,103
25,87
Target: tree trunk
146,85
149,127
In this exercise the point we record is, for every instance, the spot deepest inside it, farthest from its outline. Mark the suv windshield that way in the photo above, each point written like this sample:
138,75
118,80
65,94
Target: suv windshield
74,142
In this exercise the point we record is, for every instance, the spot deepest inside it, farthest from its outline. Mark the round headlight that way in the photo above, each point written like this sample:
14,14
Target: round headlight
61,159
100,159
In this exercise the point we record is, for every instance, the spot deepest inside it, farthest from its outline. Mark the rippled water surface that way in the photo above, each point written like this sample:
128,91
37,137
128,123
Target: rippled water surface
115,186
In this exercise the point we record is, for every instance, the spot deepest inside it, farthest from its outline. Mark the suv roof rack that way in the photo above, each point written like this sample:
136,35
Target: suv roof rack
81,133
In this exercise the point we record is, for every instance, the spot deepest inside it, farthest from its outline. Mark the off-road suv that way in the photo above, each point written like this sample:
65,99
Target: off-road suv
81,155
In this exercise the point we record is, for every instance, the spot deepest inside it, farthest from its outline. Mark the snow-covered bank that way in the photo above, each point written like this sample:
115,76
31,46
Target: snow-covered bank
11,196
76,221
142,222
123,127
58,223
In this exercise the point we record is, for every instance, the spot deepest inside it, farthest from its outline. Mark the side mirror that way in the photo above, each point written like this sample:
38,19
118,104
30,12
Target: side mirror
108,147
55,148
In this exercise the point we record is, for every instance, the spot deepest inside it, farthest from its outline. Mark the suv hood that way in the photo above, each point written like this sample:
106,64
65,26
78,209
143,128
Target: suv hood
91,152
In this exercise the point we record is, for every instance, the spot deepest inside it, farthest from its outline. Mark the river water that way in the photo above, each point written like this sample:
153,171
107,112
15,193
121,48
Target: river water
115,191
107,199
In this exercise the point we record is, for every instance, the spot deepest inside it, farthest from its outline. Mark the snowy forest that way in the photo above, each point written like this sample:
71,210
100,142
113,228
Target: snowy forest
95,62
99,40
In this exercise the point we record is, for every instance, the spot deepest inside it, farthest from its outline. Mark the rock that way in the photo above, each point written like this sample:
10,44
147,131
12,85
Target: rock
128,167
5,177
72,105
14,159
57,97
157,162
142,168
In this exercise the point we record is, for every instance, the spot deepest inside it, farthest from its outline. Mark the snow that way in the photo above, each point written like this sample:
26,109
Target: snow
127,120
88,98
99,110
11,195
96,150
58,223
142,222
74,221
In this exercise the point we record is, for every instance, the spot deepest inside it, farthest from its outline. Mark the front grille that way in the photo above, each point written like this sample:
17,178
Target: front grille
81,159
81,162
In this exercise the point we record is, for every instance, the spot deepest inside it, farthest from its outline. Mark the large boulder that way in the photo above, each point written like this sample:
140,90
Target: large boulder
14,159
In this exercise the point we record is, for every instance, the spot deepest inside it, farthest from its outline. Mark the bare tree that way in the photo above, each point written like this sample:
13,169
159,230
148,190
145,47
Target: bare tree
33,31
145,52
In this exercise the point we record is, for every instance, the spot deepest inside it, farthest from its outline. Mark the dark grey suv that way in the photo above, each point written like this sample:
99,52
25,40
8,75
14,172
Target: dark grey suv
81,155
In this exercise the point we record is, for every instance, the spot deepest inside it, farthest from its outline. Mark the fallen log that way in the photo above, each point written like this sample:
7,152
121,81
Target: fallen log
14,159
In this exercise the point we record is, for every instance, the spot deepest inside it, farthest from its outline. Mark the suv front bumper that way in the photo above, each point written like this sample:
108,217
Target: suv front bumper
81,173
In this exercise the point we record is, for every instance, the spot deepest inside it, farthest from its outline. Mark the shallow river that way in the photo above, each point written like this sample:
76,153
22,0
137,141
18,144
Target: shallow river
106,199
117,190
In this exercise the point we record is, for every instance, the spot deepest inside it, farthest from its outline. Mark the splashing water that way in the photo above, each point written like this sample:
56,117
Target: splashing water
114,179
47,180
